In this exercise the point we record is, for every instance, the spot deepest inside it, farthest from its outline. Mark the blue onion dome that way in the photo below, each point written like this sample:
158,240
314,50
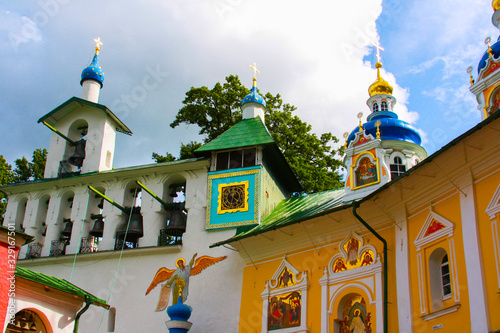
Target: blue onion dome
253,97
93,71
495,50
391,128
179,311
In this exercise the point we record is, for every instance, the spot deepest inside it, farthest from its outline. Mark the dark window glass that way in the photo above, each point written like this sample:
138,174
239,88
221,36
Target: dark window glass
375,107
445,276
249,157
222,161
236,159
383,106
398,168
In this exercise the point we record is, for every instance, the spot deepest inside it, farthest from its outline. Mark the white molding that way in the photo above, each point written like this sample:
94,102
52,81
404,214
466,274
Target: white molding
496,248
442,312
473,261
405,313
494,205
421,283
448,230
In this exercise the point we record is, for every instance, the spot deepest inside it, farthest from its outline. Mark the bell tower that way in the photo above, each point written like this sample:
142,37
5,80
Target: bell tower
83,138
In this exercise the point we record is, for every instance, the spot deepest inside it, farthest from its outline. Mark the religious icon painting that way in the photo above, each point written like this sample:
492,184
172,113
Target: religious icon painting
284,311
366,172
355,317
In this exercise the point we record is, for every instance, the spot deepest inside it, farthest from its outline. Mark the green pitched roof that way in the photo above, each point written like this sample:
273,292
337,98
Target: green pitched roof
295,210
248,132
73,103
58,284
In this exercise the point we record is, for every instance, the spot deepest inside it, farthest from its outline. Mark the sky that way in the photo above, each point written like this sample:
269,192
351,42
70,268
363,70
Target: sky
316,54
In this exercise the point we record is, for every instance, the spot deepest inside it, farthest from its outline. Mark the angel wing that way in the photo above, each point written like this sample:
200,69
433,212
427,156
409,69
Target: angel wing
163,274
203,262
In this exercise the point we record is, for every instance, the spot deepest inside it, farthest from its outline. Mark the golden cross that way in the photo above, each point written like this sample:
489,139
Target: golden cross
98,43
378,47
255,70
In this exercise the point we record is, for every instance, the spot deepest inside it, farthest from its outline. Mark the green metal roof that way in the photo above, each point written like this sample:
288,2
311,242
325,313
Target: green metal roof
74,102
294,210
298,209
58,284
248,132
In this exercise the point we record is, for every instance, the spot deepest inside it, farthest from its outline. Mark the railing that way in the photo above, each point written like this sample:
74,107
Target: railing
34,251
90,244
58,247
170,237
121,243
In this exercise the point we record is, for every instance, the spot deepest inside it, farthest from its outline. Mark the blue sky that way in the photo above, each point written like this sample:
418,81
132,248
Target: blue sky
316,55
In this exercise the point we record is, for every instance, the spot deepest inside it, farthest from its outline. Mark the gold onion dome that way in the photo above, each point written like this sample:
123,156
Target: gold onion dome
380,86
495,4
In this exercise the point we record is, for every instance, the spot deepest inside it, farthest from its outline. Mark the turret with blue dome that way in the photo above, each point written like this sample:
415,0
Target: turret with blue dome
486,87
253,105
382,148
92,77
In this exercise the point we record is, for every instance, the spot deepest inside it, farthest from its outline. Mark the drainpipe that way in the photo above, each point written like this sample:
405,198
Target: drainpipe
88,302
355,205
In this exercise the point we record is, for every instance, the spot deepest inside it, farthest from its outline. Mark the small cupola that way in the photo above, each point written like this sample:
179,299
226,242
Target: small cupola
92,77
253,104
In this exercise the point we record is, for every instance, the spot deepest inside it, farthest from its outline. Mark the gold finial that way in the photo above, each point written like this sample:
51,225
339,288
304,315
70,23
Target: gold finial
487,42
378,123
360,115
380,86
255,72
469,70
98,44
346,135
495,4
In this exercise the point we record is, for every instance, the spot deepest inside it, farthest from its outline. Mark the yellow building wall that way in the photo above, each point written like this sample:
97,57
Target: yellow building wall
314,262
459,321
484,191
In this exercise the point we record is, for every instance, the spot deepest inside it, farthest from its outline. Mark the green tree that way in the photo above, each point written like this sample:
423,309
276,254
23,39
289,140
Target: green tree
312,158
163,158
6,177
24,171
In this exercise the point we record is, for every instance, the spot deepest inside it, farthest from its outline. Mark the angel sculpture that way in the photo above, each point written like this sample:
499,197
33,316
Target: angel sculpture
182,272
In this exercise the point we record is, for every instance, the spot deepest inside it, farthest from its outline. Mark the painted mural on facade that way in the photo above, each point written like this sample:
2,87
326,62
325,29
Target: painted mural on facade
356,318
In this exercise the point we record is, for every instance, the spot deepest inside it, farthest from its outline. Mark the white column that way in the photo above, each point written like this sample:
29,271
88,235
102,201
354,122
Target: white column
324,301
474,269
405,317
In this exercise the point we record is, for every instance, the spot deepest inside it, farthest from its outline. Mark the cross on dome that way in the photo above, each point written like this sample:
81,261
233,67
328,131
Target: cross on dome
379,48
255,72
98,44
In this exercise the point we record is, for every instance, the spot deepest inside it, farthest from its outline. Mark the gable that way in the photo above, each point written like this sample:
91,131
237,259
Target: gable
435,227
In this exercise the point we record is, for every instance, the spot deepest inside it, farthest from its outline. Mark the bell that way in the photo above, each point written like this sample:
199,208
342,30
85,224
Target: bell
98,229
25,326
79,155
33,327
18,324
177,223
135,229
67,229
101,204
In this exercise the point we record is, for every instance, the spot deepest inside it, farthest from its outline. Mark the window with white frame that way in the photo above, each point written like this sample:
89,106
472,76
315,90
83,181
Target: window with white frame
397,168
375,107
383,106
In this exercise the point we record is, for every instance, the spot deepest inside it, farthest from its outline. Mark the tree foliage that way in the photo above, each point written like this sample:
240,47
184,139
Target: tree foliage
23,171
312,158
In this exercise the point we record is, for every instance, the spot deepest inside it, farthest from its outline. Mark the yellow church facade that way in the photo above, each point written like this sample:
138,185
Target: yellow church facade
317,268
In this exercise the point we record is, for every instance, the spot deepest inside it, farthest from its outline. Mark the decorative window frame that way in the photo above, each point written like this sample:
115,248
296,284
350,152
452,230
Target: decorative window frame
493,211
272,289
423,241
355,165
221,188
366,279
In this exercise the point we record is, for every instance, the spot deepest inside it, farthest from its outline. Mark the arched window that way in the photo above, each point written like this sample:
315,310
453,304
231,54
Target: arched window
383,106
397,168
439,278
375,107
